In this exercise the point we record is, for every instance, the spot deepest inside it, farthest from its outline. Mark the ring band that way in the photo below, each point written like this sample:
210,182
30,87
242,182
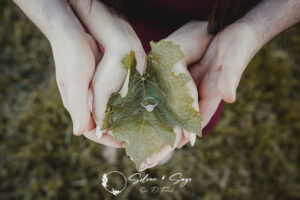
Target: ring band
149,107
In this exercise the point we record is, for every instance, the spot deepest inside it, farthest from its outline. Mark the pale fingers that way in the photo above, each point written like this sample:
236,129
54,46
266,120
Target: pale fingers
107,139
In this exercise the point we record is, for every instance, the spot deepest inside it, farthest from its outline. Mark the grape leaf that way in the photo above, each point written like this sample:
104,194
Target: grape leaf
145,133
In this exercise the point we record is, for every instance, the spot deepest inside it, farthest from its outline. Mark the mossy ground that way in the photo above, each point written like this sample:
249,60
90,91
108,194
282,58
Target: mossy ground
253,153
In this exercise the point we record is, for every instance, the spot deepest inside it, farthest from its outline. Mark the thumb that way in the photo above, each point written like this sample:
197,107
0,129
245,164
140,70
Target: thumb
228,82
108,79
227,88
78,107
73,77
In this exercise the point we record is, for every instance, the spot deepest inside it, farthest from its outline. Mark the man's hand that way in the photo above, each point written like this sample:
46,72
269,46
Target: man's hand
75,66
75,55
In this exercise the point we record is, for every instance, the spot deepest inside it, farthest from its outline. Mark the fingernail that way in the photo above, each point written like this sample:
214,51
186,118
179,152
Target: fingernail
76,127
142,167
99,133
233,91
192,139
166,159
109,132
186,134
151,165
90,99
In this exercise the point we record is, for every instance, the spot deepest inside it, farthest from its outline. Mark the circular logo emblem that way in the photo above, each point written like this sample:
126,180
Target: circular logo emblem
108,185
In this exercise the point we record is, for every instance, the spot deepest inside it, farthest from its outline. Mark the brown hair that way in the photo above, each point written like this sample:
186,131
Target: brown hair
223,13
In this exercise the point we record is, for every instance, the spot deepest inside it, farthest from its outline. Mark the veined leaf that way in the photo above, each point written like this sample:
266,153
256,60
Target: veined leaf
145,133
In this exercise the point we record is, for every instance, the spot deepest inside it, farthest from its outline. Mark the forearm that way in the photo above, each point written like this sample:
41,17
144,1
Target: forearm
107,28
271,17
53,17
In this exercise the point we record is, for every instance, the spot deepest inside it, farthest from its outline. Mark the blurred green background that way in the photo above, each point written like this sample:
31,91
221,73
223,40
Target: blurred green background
253,153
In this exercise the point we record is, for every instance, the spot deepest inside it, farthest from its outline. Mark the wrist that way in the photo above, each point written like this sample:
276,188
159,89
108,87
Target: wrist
271,17
259,34
54,18
250,34
66,29
64,25
124,39
66,40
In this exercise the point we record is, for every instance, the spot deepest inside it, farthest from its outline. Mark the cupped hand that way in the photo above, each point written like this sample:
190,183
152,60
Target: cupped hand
75,54
218,73
117,38
193,40
75,57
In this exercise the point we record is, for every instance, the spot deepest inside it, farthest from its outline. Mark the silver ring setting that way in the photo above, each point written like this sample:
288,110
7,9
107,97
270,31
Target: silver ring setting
150,106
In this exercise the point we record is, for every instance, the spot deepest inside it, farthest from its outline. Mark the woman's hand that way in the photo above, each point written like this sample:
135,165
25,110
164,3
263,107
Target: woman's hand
118,39
193,40
219,71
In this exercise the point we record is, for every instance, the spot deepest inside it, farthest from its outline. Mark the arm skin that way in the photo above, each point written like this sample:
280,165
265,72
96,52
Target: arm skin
266,20
76,55
271,17
219,71
117,31
53,17
74,52
118,38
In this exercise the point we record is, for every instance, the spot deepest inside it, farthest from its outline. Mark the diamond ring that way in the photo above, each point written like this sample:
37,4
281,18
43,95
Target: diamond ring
152,102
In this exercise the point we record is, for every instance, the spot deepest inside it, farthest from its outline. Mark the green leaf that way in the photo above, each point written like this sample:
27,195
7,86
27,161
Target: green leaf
145,133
